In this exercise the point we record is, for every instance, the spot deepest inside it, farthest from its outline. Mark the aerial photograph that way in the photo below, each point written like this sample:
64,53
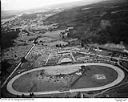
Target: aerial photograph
64,49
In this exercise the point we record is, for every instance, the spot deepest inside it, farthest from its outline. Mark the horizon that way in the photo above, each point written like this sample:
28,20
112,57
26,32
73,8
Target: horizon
20,5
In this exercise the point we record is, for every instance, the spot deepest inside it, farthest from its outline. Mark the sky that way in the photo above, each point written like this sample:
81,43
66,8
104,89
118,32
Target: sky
31,4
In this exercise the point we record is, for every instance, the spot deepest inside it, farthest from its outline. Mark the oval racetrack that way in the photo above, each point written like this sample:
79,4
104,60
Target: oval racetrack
98,76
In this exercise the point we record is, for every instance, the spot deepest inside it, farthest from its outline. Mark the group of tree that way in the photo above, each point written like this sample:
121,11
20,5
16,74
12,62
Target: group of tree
5,65
95,25
7,38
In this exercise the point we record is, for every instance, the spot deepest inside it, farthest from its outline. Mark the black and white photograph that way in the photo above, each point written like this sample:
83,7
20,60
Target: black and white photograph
75,49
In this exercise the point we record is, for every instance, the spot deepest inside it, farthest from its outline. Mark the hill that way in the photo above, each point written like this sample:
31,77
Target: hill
96,23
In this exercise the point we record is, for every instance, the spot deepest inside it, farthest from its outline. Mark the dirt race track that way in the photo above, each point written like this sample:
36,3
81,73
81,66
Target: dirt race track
99,76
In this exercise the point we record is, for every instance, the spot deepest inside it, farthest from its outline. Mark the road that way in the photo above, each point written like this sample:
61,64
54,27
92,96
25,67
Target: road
17,67
117,58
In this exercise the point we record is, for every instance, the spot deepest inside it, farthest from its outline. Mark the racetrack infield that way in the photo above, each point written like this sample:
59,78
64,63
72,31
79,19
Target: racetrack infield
46,80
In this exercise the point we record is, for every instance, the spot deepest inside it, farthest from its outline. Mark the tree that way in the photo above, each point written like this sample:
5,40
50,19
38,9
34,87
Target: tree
23,60
82,68
4,67
82,43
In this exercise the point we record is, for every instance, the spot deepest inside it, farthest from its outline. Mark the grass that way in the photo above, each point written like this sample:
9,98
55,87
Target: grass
48,82
89,81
